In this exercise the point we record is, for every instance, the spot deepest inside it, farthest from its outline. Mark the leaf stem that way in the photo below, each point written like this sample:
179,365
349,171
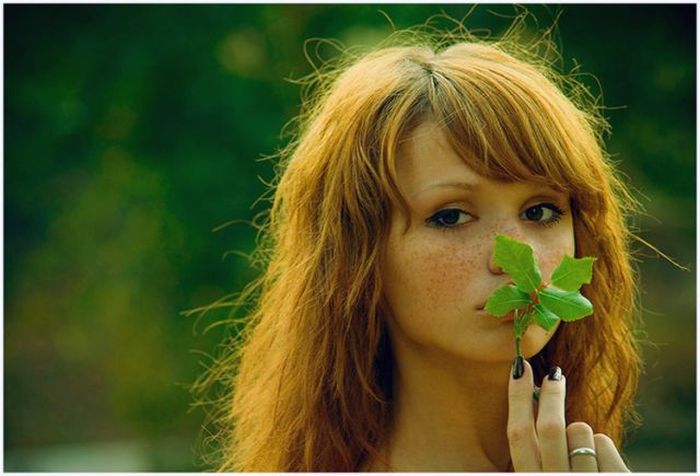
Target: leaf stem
517,322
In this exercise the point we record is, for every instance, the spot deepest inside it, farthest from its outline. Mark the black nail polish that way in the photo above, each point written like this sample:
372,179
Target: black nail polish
555,373
518,367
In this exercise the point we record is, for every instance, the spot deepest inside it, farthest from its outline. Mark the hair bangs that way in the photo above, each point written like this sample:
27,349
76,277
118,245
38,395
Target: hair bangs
510,123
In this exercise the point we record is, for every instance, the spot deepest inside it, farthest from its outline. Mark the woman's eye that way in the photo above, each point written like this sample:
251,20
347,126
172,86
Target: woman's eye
543,214
449,218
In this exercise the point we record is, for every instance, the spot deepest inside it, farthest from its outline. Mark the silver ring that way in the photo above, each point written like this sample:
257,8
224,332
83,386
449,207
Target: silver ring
583,451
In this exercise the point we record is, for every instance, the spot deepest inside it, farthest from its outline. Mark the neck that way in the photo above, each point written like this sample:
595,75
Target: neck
449,415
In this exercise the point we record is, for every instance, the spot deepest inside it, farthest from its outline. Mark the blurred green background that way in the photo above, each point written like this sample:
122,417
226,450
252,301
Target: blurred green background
133,131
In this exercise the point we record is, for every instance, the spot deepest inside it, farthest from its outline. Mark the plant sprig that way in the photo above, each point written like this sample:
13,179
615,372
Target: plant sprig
531,299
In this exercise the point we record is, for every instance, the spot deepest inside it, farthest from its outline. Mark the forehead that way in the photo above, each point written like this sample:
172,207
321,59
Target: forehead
426,156
427,161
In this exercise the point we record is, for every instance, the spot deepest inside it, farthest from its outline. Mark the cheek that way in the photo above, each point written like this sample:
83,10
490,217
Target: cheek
451,271
550,254
424,276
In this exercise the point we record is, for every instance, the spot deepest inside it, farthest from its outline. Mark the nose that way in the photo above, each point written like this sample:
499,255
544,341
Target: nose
493,267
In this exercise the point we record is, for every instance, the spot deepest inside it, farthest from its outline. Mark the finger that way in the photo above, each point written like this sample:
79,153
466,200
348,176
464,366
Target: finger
580,435
609,459
522,439
551,423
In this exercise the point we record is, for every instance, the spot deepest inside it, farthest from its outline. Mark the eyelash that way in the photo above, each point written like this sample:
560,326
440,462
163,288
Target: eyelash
558,213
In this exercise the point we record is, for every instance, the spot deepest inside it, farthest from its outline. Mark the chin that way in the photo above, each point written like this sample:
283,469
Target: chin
535,339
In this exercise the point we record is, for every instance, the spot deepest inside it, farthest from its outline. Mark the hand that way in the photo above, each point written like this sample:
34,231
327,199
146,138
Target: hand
539,438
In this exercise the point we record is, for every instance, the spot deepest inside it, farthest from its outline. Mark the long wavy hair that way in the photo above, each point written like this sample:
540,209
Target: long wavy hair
307,382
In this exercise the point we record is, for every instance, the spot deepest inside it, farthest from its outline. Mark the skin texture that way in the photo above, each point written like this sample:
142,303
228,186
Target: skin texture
453,361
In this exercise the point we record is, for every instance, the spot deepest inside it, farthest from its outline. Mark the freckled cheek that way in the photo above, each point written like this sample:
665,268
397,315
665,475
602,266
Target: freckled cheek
547,264
441,277
549,257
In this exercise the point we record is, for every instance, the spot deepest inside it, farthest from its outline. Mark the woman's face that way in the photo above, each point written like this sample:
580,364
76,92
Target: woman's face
440,272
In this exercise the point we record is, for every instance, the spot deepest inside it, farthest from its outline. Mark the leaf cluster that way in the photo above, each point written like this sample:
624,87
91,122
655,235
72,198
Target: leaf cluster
529,297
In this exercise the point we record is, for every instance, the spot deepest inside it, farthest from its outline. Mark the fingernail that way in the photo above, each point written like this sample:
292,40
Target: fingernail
518,367
555,373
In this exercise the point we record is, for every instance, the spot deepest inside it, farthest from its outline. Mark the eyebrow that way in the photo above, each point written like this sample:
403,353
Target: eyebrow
469,187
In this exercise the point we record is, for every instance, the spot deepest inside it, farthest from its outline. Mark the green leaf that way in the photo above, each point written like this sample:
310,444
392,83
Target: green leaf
544,317
572,273
518,260
568,305
505,299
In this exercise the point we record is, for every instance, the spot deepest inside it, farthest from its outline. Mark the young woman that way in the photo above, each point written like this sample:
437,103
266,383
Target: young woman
368,348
